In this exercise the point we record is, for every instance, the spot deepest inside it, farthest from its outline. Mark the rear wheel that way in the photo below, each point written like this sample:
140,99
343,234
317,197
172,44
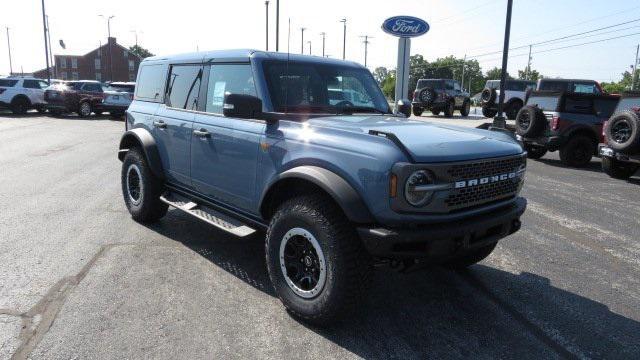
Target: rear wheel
470,258
488,113
535,152
141,188
435,112
466,108
449,109
417,111
315,259
578,151
20,105
85,109
513,109
618,169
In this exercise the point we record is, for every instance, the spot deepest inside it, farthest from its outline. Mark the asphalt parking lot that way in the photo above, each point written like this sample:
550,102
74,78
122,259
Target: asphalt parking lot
80,279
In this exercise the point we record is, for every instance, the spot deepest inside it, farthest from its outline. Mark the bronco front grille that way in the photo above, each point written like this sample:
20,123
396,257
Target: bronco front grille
484,193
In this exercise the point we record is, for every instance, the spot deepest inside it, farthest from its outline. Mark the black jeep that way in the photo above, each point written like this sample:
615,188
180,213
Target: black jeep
440,95
565,121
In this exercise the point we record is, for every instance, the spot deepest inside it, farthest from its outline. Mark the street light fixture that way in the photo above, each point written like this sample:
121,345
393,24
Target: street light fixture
109,41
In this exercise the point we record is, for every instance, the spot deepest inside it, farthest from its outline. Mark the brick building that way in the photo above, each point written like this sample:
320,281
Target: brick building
96,65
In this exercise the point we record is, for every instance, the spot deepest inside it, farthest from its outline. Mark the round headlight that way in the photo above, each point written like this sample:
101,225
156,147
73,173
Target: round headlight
414,191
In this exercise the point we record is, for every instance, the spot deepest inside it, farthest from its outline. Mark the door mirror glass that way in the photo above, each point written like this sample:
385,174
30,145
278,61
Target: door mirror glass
241,106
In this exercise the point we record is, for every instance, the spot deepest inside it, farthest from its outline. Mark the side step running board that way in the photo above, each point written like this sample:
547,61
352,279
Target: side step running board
213,217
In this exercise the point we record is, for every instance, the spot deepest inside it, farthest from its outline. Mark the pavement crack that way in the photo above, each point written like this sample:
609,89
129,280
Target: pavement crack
39,319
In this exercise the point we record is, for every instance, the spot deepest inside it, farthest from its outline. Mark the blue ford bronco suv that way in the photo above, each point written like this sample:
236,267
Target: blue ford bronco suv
251,142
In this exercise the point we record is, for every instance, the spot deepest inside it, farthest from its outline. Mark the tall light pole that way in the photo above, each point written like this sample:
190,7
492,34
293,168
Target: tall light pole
309,42
366,44
53,65
635,70
266,24
324,34
9,46
302,29
109,41
499,121
344,38
464,61
46,45
277,24
528,64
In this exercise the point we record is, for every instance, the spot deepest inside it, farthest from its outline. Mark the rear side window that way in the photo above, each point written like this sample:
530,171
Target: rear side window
544,102
628,103
31,84
184,86
605,107
578,105
150,85
554,85
518,85
585,88
231,78
449,85
8,83
434,84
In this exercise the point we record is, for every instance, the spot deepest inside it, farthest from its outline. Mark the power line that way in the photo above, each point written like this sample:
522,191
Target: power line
586,43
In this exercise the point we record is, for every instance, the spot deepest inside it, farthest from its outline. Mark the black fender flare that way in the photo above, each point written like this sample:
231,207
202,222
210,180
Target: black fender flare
142,138
333,184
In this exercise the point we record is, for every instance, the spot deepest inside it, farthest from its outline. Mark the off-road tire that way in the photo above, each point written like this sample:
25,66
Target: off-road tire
530,121
618,169
426,96
623,132
435,112
488,96
513,109
535,152
20,105
417,111
82,109
488,113
149,208
347,264
466,108
449,109
578,151
470,258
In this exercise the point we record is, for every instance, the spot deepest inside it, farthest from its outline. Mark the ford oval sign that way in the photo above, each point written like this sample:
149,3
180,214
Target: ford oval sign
405,26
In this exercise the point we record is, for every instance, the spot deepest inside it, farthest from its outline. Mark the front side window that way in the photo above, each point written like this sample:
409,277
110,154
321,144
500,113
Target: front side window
183,86
43,84
456,86
449,85
151,82
74,63
228,78
301,87
97,62
93,87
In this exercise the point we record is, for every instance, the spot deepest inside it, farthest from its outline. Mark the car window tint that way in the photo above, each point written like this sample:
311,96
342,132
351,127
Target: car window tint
92,87
151,82
585,88
184,86
31,84
43,84
434,84
554,85
448,85
605,107
8,83
544,102
228,78
578,105
516,85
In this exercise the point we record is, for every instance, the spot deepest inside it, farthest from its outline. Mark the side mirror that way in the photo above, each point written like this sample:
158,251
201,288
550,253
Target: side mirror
241,106
404,107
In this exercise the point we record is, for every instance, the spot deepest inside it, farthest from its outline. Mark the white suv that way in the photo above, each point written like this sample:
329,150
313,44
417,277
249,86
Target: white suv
514,97
22,93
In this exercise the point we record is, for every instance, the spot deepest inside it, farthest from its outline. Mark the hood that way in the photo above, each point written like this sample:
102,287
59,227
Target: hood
429,142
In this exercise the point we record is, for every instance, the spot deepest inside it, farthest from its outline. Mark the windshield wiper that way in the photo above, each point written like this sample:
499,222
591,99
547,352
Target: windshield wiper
349,110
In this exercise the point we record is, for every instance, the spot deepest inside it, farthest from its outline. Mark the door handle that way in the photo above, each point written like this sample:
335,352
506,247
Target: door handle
160,124
203,133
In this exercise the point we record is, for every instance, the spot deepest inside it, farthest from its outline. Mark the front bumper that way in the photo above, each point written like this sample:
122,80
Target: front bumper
438,242
436,105
604,150
114,107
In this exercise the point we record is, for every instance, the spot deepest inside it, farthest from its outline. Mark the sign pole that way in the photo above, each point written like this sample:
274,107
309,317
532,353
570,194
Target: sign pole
402,71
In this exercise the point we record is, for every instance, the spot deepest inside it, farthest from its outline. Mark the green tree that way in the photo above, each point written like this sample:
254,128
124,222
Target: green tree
140,51
533,75
495,74
380,74
389,85
622,85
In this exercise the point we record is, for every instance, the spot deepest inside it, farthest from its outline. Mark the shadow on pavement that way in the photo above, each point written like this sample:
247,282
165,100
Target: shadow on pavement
593,166
480,313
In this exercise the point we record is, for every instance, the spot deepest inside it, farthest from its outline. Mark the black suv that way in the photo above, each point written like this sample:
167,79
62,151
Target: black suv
621,148
569,122
440,95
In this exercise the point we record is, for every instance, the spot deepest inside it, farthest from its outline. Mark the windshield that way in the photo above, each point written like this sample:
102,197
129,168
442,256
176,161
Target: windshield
121,88
300,87
434,84
628,103
549,103
493,84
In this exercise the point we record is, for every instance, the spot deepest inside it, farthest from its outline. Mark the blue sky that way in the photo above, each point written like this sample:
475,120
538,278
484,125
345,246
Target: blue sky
457,27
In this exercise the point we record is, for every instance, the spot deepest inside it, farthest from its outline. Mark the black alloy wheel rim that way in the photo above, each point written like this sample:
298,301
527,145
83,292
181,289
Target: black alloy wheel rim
621,131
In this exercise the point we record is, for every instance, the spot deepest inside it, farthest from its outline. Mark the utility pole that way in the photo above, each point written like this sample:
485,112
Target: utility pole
324,34
499,121
635,70
135,33
277,24
9,46
109,42
46,45
302,29
309,42
344,38
266,22
464,62
366,44
53,65
528,65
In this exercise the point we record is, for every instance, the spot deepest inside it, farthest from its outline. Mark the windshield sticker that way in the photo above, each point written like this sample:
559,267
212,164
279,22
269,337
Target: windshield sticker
218,93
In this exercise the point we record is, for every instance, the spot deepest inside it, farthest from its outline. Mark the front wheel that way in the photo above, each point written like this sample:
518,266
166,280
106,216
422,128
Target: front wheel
315,259
417,111
141,188
435,112
449,109
578,151
466,108
85,109
618,169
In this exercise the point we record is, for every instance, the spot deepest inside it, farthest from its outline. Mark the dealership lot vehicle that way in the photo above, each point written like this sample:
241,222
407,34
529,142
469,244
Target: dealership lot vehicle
440,95
19,94
356,183
568,122
621,149
118,97
82,97
570,85
514,97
